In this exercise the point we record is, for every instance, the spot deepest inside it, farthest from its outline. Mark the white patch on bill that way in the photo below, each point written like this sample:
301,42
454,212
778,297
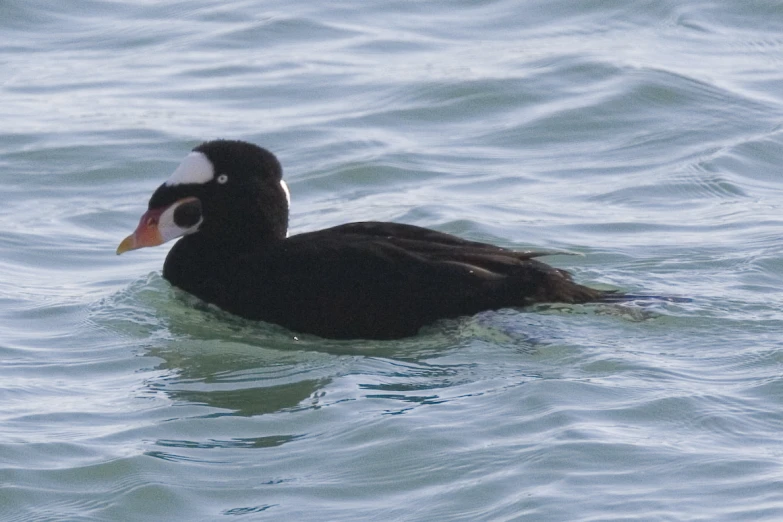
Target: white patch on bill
195,168
169,229
287,192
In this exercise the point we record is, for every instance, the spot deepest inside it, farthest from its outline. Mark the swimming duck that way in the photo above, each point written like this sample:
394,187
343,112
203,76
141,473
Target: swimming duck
228,203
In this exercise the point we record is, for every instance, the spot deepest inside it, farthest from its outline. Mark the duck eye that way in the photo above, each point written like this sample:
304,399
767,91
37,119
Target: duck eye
222,179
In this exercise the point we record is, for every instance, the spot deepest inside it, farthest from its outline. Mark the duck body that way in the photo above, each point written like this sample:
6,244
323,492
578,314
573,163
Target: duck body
366,280
370,280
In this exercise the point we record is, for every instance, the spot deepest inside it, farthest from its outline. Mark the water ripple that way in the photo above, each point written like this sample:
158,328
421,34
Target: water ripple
645,135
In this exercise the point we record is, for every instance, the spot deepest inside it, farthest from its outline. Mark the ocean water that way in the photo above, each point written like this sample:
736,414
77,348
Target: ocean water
645,135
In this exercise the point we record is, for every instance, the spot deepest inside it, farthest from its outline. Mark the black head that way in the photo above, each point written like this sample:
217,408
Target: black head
224,191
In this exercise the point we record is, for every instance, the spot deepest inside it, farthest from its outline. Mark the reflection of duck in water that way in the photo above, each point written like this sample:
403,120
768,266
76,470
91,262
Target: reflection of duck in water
368,280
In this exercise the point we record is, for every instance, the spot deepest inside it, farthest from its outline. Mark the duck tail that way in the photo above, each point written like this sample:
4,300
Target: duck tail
613,296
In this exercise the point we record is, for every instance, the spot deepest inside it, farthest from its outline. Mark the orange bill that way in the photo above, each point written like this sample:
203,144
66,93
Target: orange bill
146,234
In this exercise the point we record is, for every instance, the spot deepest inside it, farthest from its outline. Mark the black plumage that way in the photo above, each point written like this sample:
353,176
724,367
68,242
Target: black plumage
368,280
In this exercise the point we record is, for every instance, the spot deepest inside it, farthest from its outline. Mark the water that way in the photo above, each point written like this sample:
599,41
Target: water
645,135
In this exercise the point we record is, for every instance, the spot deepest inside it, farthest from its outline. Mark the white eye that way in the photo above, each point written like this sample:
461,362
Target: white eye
222,179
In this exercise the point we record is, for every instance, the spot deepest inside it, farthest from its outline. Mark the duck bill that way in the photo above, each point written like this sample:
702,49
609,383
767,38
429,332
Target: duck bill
159,225
147,234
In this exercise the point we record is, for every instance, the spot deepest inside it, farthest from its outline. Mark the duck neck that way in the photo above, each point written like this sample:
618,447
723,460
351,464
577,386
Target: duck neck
209,248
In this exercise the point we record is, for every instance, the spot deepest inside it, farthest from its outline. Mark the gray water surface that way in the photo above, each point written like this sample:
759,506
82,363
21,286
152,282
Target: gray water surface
643,134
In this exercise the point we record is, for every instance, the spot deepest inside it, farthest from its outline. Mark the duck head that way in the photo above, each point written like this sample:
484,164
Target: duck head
224,191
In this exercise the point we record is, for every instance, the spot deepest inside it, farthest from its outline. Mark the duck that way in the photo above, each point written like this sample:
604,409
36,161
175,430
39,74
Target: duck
228,206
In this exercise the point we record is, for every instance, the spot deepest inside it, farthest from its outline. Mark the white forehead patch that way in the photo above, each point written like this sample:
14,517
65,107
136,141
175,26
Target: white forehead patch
195,168
287,192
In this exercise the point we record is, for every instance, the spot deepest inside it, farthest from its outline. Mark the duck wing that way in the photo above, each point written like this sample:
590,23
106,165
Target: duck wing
423,238
383,281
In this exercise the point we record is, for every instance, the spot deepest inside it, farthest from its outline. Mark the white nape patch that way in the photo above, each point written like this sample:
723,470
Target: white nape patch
195,168
284,185
287,192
